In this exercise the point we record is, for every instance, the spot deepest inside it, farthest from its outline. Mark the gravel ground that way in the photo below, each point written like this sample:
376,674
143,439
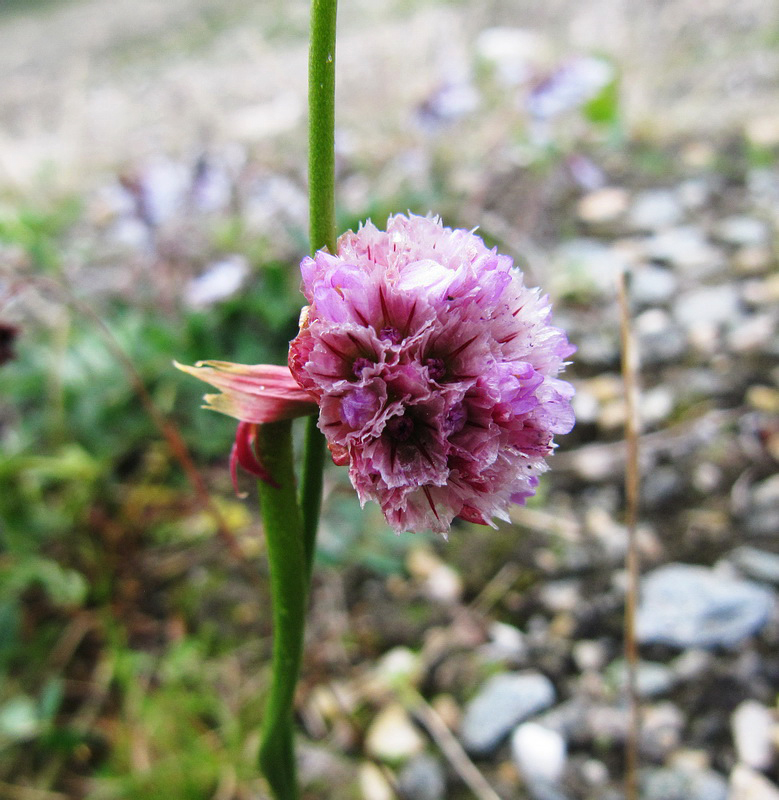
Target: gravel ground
493,666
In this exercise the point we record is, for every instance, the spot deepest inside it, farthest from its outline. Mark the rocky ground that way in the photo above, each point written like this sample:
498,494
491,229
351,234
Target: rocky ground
493,666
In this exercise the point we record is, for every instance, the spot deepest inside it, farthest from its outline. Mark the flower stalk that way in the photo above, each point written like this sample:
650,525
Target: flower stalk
289,592
291,521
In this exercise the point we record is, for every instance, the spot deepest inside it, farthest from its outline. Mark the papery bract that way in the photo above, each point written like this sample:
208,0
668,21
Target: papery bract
435,370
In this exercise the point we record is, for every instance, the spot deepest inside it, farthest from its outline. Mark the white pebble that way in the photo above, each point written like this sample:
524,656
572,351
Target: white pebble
539,752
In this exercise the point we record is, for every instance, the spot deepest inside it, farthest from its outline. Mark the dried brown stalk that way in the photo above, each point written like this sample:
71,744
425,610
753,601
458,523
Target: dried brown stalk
630,370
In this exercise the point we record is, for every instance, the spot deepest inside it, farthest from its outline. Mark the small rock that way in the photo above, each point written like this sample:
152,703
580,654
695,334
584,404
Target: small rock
652,285
690,606
539,752
663,783
506,643
753,731
694,193
752,260
762,292
661,730
656,405
763,518
397,666
766,493
655,209
562,595
422,778
503,702
763,131
762,398
716,305
753,334
757,564
742,231
392,735
585,406
589,655
687,249
747,784
652,678
586,267
599,349
662,487
603,205
439,580
373,784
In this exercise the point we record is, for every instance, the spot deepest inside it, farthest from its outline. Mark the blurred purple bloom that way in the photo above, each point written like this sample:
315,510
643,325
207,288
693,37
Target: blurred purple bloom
569,86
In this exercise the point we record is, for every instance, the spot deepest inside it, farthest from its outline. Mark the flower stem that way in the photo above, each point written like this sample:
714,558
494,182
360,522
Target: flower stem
321,125
321,197
290,529
289,592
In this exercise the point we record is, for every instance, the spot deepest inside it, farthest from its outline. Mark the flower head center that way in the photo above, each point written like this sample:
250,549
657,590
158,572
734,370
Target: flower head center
391,334
361,364
435,368
400,428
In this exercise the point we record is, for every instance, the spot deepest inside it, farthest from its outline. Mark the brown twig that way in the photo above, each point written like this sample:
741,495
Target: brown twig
451,748
630,370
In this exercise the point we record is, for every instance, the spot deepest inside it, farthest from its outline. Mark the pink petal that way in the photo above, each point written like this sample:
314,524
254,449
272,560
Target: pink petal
257,393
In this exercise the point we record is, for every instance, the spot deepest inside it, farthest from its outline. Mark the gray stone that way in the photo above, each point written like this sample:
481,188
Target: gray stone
600,349
714,305
652,678
763,518
539,753
663,783
741,231
502,703
690,606
652,285
422,778
662,347
661,487
757,564
748,784
586,267
655,209
661,731
687,249
753,733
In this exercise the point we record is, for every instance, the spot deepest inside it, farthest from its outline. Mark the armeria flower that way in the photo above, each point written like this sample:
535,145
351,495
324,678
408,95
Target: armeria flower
434,369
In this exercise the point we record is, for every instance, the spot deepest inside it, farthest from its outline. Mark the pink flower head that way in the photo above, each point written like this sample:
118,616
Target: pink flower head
435,371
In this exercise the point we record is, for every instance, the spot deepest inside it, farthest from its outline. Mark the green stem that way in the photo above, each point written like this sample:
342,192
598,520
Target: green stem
321,125
314,453
321,194
289,592
290,529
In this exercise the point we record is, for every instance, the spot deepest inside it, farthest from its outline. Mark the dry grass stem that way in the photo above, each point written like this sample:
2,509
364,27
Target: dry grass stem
630,370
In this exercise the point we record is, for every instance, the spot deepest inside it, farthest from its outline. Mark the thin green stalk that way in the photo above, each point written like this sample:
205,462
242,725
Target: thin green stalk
290,529
314,454
321,125
321,194
289,592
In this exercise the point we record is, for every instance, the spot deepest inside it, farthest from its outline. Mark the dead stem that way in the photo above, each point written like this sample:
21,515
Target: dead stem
450,747
630,371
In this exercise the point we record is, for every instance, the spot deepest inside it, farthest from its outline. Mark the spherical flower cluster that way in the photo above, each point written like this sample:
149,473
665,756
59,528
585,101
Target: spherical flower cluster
435,371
